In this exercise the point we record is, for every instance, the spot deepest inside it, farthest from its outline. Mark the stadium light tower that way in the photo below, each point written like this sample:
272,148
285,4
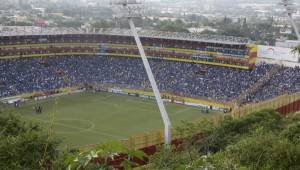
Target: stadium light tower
290,9
130,9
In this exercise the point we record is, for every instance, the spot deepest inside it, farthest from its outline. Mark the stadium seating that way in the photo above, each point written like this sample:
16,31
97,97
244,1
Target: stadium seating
219,83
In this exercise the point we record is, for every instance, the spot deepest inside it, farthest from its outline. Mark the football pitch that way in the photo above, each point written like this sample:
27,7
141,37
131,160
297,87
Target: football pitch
91,118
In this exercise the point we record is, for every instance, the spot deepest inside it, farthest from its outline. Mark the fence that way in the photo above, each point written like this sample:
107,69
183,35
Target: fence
290,108
144,140
275,103
141,141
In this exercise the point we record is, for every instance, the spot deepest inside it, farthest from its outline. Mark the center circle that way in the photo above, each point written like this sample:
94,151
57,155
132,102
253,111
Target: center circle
72,125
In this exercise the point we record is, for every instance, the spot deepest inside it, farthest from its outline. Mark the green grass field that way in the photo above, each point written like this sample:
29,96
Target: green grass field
91,118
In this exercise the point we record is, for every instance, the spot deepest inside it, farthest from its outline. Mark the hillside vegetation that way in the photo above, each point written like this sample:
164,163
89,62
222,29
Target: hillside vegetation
261,141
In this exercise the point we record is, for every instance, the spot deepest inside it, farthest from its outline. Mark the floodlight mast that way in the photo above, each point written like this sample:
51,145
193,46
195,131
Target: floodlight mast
290,9
133,9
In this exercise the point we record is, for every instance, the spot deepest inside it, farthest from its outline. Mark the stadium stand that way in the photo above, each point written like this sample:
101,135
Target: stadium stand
206,49
188,79
183,64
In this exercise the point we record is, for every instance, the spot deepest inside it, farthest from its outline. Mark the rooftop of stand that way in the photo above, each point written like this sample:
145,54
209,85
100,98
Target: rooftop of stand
32,30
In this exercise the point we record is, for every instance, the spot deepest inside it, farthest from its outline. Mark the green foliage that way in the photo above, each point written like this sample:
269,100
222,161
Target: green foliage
194,135
265,152
260,141
102,24
249,151
187,151
230,131
99,158
292,133
297,50
173,26
259,31
25,146
11,126
219,161
167,159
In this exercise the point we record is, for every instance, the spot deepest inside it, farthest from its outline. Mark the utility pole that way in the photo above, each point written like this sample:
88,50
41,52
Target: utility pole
130,9
290,9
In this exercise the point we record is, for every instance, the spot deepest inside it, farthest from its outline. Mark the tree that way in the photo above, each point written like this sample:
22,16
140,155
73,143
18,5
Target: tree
25,145
265,151
102,24
297,50
173,26
242,144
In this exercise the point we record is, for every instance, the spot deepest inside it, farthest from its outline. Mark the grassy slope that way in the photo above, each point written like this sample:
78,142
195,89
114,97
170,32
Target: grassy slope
89,118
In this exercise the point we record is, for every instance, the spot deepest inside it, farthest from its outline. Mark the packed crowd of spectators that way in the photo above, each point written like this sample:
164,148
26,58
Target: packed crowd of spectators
219,83
285,81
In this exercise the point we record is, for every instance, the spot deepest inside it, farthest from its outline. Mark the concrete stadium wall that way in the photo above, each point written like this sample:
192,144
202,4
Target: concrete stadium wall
277,53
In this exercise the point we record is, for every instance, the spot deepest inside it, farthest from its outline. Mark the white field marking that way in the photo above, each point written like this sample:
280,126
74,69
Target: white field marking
92,125
181,111
148,110
111,104
129,101
83,129
122,108
118,106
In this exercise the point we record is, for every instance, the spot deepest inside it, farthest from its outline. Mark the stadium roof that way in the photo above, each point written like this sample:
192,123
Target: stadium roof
31,30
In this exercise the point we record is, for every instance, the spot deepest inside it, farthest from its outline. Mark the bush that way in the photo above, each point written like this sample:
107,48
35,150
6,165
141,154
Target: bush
265,152
260,141
292,133
167,159
230,131
25,146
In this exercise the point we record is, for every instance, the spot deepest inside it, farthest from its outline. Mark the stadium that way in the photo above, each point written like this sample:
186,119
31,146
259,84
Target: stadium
97,95
208,71
94,87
